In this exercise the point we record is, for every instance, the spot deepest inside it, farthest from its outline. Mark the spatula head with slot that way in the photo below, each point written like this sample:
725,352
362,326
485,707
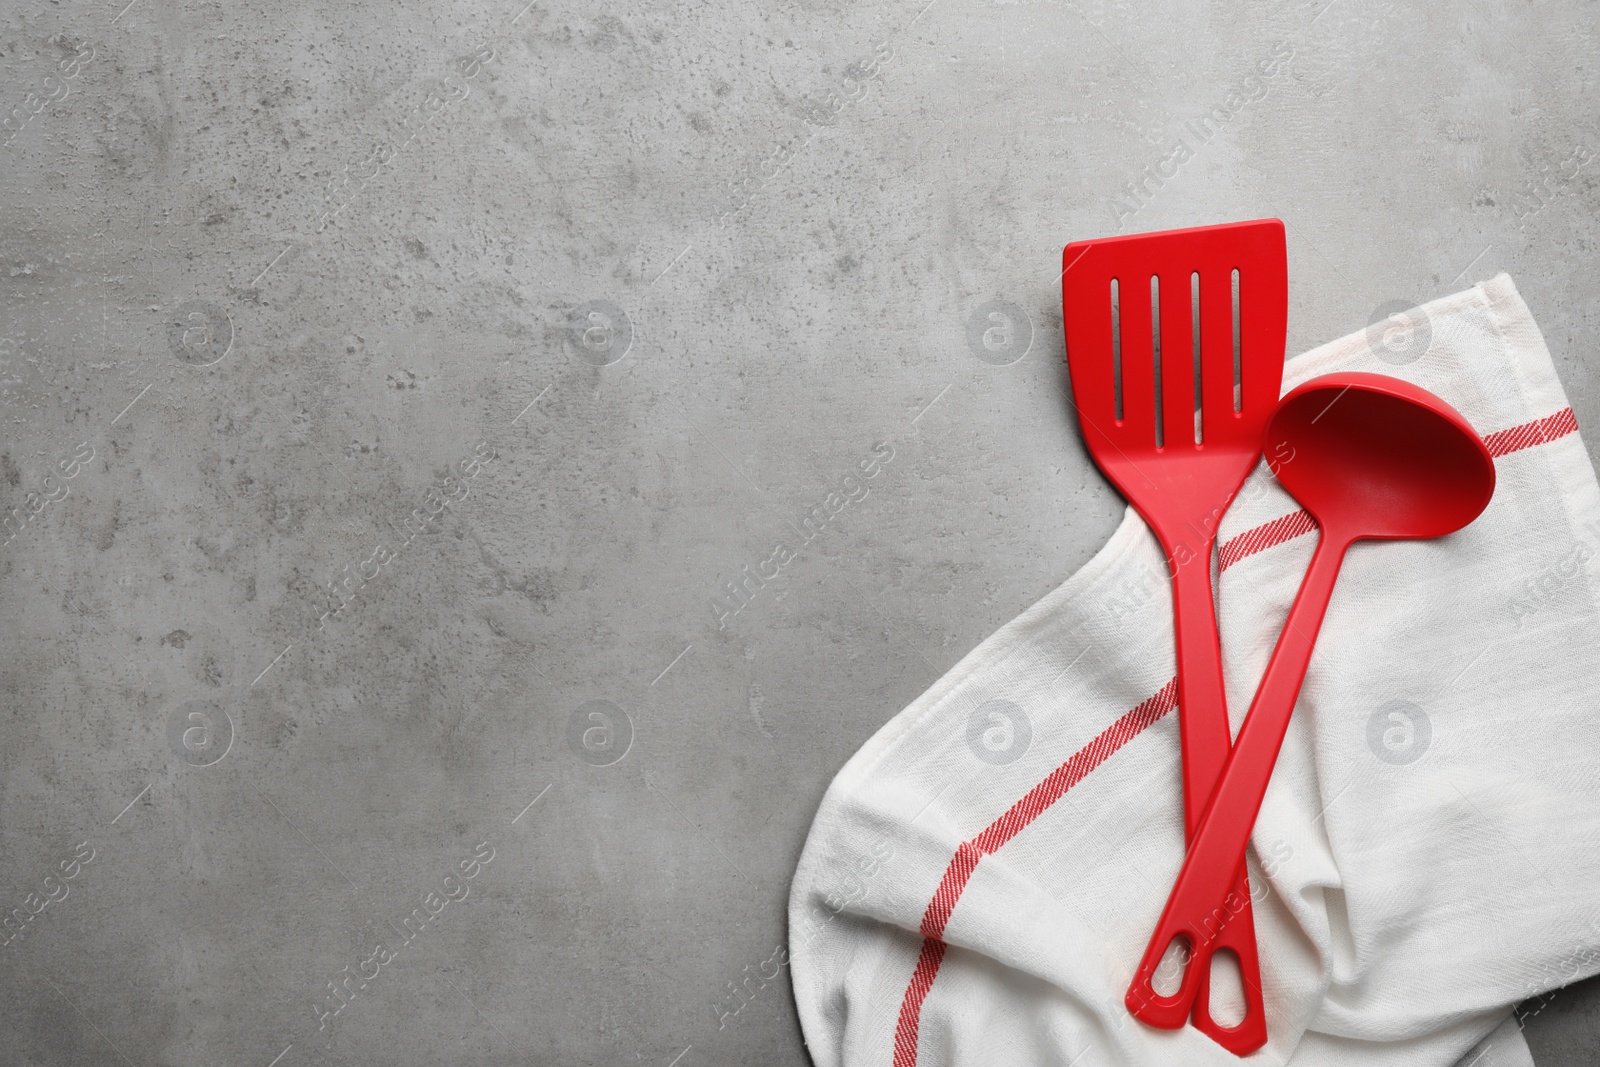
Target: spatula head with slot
1175,346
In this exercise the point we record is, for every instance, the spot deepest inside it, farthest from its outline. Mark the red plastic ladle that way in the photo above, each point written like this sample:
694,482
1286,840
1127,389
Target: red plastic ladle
1370,457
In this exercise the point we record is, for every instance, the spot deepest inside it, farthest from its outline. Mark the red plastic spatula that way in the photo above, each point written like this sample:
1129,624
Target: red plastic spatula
1368,456
1175,346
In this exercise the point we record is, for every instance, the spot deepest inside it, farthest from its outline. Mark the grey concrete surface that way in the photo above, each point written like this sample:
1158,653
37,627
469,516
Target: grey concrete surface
383,385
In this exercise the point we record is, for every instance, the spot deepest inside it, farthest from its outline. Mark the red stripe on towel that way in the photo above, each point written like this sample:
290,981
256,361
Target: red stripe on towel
1532,433
1003,829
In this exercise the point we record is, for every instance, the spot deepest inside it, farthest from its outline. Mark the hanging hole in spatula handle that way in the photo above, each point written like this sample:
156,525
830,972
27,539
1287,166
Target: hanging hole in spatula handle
1168,1011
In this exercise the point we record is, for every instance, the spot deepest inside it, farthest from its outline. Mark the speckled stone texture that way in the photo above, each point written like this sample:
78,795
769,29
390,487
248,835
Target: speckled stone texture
473,472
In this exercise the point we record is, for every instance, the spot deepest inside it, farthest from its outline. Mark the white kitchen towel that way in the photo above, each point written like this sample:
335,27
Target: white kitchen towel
982,877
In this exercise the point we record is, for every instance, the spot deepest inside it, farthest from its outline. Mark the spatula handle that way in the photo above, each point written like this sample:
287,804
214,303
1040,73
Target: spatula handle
1204,904
1206,740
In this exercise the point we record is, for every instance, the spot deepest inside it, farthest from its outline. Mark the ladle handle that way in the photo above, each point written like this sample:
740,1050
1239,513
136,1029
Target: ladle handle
1199,906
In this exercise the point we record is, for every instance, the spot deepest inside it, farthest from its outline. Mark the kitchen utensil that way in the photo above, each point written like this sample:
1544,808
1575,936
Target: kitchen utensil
1370,457
1175,347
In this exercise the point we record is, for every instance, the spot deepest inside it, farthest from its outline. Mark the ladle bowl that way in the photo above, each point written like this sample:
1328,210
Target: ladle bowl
1377,457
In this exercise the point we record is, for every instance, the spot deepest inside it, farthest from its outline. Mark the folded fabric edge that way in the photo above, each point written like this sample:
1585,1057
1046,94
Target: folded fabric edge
1531,360
1504,1046
995,646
